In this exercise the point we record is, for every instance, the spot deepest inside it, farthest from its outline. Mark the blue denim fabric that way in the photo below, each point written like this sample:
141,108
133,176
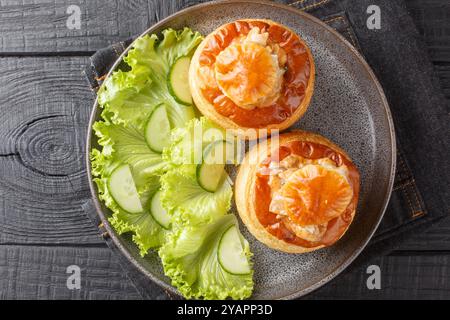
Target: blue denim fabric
398,57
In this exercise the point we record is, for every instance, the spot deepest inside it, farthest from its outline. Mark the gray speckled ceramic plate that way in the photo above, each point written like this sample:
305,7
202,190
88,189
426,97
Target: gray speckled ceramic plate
348,107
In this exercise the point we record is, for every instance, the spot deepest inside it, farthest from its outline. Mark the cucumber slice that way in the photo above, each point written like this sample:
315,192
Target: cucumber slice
158,212
157,130
209,176
231,253
179,81
211,171
123,190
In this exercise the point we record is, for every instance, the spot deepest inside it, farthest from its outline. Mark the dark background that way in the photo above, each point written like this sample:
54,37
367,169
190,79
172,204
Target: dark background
44,108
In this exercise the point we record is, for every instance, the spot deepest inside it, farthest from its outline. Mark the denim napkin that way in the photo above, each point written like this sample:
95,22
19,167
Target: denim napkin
421,115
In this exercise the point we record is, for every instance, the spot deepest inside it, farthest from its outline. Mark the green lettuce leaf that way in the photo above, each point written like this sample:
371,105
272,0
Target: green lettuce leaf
199,218
126,145
147,233
131,96
181,194
188,202
189,258
128,98
187,143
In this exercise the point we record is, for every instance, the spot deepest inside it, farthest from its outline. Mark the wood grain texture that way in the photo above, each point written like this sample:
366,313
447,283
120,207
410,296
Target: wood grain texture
40,25
44,109
28,272
402,277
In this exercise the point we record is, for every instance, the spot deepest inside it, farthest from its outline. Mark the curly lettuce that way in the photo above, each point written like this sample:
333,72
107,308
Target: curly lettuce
188,143
131,96
126,145
190,259
188,250
199,218
128,98
182,195
188,202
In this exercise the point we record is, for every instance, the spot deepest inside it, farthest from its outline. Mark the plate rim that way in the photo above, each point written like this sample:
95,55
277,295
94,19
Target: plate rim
371,75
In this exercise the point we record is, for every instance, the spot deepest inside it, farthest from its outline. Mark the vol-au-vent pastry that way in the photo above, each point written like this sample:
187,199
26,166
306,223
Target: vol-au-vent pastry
299,195
252,74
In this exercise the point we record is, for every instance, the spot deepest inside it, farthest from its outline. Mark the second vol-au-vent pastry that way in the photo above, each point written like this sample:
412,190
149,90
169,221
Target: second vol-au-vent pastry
299,194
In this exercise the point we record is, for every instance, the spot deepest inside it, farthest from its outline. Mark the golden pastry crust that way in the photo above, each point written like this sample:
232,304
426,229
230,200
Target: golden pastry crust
208,110
245,190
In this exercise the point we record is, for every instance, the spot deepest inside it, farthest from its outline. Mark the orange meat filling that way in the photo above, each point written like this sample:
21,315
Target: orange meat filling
254,73
314,195
248,72
307,195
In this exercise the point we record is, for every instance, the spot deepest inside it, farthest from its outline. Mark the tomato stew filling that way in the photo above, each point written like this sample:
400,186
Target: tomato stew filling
275,224
295,78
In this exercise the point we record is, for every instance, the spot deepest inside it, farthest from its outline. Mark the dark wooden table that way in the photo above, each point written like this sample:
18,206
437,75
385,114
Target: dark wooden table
44,109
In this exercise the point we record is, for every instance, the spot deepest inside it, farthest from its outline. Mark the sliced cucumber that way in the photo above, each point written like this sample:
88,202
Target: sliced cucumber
157,130
158,212
123,190
211,171
231,253
209,176
179,81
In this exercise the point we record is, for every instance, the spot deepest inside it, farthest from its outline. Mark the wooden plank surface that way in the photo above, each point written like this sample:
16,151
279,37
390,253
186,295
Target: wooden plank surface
44,109
40,26
45,184
402,277
42,226
30,272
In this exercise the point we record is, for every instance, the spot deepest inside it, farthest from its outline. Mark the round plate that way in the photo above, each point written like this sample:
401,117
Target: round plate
348,107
